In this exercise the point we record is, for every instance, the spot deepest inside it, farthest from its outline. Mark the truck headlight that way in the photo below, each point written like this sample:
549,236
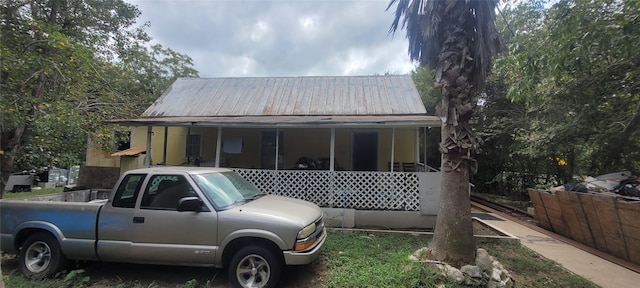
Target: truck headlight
307,231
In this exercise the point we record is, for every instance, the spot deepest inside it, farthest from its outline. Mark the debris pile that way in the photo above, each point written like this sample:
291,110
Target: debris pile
623,183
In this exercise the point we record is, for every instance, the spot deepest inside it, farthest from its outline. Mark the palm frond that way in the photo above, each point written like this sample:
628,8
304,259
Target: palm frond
428,24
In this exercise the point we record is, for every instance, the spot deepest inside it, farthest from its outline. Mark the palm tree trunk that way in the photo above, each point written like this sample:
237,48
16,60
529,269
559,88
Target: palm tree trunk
453,240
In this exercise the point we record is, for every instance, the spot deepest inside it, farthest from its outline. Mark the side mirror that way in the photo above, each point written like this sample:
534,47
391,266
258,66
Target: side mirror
190,204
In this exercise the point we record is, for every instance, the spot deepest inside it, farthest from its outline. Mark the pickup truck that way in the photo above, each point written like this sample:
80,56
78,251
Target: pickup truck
189,216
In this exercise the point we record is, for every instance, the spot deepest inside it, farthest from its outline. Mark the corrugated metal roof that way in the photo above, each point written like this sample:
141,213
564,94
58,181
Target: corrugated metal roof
289,96
133,151
289,121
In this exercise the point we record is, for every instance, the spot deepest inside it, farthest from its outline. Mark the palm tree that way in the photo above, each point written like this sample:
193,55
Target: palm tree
457,38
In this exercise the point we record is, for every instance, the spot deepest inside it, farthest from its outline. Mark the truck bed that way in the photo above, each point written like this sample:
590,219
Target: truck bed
77,220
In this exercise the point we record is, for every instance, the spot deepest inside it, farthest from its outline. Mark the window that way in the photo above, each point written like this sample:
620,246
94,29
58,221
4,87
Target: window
164,192
123,140
128,190
193,146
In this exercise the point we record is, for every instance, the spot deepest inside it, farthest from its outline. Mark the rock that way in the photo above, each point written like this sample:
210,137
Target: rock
496,275
497,265
484,261
505,275
454,273
421,253
471,271
434,265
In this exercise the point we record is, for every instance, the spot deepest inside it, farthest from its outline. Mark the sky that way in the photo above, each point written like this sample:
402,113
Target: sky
255,38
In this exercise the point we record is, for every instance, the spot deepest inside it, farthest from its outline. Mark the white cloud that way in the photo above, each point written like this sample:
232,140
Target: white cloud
279,37
260,31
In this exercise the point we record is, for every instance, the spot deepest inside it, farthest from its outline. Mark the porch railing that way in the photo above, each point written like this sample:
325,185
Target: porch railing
341,189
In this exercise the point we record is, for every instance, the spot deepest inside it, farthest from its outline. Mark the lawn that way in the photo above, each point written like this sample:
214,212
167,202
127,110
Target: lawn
349,259
34,192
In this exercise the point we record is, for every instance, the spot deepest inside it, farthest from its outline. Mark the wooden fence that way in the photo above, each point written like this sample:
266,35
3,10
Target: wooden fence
605,222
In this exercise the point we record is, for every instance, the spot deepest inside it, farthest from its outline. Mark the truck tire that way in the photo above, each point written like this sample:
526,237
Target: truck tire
40,256
255,266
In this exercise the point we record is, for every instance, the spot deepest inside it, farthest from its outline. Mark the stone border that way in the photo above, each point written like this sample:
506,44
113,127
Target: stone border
506,238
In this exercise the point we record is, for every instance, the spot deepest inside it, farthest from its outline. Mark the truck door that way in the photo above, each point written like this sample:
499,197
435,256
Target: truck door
162,235
115,220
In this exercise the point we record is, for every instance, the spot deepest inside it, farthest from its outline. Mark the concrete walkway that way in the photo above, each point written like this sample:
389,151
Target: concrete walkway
595,268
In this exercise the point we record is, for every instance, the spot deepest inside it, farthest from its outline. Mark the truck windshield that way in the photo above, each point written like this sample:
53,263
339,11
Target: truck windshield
227,188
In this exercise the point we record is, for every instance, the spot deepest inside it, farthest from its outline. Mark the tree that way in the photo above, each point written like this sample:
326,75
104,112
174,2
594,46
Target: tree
576,69
458,40
504,166
67,66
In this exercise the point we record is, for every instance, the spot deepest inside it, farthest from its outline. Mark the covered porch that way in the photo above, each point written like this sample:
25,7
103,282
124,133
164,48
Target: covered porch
350,143
353,179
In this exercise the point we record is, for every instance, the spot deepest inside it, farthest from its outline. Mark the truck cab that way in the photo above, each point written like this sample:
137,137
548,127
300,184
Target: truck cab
187,216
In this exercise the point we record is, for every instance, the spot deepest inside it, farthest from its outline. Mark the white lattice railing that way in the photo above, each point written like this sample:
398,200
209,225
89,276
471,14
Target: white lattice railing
341,189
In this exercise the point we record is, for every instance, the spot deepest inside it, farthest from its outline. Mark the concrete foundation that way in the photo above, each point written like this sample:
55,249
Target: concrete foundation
351,218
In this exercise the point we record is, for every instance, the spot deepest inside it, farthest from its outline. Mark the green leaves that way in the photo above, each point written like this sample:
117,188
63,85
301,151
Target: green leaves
574,69
67,66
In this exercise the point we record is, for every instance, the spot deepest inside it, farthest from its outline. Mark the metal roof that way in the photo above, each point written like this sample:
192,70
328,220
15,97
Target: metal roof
133,151
289,96
339,101
364,121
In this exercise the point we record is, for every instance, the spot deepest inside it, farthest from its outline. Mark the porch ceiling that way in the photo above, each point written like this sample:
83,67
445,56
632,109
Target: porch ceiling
337,121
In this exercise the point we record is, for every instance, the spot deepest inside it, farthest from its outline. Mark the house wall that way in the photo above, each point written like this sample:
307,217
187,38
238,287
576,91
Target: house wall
404,147
176,142
99,157
306,142
250,154
298,142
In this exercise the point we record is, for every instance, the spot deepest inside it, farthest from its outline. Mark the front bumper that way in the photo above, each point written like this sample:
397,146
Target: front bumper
306,257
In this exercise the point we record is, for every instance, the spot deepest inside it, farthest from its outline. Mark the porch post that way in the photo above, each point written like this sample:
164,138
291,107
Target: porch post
147,157
164,149
218,146
277,146
417,149
188,142
332,149
424,151
393,147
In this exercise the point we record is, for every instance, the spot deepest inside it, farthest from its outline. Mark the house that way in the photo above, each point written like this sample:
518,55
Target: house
329,140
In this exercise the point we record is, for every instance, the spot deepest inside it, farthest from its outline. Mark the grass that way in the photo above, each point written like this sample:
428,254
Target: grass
353,259
34,192
529,269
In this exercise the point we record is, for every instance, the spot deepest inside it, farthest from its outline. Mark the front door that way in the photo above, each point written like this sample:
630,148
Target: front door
365,151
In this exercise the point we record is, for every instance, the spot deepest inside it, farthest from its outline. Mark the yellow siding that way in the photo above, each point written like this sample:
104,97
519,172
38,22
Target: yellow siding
250,154
129,163
306,142
404,147
298,142
98,157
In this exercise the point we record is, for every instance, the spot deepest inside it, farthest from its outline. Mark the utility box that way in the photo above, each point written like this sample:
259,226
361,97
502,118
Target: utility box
19,183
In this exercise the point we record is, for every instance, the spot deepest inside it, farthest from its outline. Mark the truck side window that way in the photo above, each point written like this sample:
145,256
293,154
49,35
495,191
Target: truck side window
164,192
128,190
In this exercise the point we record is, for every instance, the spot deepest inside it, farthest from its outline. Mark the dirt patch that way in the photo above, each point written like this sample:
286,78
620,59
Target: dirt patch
115,274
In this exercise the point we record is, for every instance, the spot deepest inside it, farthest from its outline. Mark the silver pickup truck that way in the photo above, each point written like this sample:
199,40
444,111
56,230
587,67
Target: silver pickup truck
188,216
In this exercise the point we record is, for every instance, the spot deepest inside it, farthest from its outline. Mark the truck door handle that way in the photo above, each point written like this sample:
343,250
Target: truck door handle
138,219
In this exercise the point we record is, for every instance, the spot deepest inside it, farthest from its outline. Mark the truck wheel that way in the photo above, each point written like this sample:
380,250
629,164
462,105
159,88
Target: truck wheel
255,266
40,256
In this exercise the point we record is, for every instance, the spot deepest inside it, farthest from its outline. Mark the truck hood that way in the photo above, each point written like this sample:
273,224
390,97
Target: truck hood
299,211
